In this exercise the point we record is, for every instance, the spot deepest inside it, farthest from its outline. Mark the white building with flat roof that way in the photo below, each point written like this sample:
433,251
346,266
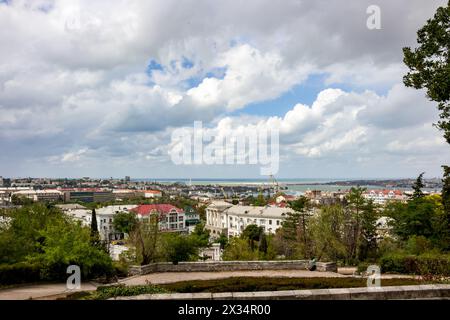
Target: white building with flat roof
223,217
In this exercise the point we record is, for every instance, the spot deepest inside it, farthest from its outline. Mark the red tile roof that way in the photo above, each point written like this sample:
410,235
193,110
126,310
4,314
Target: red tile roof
146,209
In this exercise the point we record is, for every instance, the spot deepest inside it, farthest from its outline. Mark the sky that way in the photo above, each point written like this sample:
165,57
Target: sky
97,88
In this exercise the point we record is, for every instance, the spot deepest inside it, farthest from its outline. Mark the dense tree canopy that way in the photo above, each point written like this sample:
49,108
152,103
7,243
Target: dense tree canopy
429,64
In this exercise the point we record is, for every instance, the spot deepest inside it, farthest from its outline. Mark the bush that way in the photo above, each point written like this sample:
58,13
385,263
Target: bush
21,272
425,265
246,284
106,292
362,267
418,245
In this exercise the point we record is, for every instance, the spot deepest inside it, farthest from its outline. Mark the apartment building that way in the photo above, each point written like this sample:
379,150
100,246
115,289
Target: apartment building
105,218
223,217
50,195
170,217
383,196
87,195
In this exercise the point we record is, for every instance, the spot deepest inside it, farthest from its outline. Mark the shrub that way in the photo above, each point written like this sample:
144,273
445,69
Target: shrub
21,272
418,245
425,265
246,284
106,292
362,267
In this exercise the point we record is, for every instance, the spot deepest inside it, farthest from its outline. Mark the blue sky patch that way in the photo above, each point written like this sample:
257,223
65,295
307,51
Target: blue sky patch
186,63
304,93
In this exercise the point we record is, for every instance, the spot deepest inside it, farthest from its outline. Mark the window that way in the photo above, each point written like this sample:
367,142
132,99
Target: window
180,218
278,222
270,221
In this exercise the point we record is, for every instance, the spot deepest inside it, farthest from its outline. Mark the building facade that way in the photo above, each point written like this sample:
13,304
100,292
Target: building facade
170,218
88,195
383,196
231,220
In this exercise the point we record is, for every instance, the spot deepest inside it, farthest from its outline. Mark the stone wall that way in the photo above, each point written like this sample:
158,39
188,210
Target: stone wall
433,291
230,266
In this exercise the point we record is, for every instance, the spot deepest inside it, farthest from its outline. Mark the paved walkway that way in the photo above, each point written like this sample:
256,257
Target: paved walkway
52,291
40,291
168,277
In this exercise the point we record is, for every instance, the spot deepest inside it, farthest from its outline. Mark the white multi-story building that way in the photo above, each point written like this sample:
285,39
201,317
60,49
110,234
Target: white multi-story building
223,217
105,218
40,195
383,196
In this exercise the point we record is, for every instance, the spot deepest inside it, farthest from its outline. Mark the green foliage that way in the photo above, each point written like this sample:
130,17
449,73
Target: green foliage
69,244
145,238
417,187
21,200
327,230
47,239
21,272
252,284
418,245
125,222
426,264
413,218
23,237
95,237
263,245
180,247
252,234
444,220
429,64
260,200
200,235
106,292
223,240
239,249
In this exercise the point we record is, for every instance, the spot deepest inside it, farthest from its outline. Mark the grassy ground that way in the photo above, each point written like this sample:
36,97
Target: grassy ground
238,284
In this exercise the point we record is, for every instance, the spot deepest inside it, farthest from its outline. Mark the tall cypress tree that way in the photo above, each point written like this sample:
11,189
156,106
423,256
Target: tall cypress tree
417,187
94,227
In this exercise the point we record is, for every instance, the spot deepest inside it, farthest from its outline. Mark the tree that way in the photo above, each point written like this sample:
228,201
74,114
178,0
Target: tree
145,238
417,187
222,240
355,206
94,227
414,218
263,245
429,64
200,235
125,222
69,244
368,237
20,200
446,209
95,236
327,229
239,249
51,240
180,248
296,219
252,233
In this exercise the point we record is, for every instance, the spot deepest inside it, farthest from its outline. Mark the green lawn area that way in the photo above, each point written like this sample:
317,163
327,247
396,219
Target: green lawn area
238,284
